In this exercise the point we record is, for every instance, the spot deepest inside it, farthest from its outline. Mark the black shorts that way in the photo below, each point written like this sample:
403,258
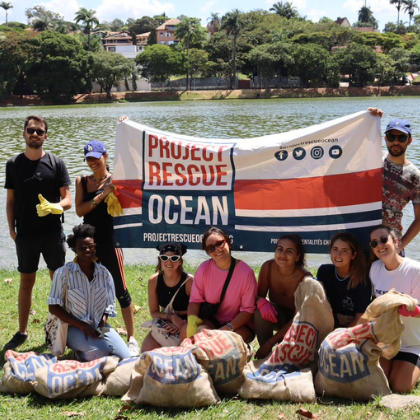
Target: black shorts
408,357
29,248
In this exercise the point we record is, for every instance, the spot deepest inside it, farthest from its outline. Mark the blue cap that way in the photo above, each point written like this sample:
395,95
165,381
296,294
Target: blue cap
401,125
95,149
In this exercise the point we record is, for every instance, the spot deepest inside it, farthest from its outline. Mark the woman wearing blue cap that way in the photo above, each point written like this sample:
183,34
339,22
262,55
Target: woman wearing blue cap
91,192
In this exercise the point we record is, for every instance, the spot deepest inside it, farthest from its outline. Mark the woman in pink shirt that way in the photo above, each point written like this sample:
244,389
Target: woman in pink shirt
238,305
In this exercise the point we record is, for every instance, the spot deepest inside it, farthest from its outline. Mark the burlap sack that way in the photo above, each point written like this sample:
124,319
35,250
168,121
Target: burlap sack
171,377
225,356
116,383
282,375
19,371
69,378
348,365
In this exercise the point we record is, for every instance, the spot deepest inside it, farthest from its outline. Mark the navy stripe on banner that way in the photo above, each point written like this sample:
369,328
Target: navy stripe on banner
307,221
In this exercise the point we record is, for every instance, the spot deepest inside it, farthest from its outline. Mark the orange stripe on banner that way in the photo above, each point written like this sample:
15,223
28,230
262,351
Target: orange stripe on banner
302,193
129,193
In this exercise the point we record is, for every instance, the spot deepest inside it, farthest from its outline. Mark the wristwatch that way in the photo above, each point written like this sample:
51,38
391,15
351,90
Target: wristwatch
230,326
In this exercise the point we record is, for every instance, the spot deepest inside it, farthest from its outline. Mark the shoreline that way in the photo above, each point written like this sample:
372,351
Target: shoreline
196,95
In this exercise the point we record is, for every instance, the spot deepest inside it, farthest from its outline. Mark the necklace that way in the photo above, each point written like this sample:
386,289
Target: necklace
339,278
290,277
98,181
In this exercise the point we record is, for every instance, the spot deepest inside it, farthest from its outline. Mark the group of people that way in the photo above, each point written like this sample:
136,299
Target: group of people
224,293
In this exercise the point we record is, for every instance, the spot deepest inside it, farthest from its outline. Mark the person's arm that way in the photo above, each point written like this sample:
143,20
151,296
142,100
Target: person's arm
65,195
85,207
263,281
413,229
153,299
239,321
277,338
376,112
10,212
193,308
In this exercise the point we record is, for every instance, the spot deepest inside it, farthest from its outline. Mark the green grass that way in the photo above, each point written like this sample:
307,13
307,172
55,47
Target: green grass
38,408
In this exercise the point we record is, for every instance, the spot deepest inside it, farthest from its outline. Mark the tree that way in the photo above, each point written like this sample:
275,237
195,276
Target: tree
198,60
409,6
42,19
143,25
384,69
6,6
214,23
285,9
398,4
60,67
366,18
233,24
265,61
89,20
401,59
189,31
109,68
158,62
152,40
358,61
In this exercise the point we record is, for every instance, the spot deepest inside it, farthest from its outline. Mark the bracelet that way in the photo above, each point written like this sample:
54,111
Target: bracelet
269,342
230,326
94,204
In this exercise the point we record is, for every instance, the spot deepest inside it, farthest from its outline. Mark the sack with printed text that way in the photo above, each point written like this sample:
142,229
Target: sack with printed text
348,365
171,377
225,356
286,374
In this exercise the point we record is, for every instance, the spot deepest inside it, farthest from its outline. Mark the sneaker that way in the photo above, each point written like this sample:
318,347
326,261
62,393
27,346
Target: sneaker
17,340
133,347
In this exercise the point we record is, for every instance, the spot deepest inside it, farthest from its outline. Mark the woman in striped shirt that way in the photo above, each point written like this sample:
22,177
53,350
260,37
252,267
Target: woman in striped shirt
90,301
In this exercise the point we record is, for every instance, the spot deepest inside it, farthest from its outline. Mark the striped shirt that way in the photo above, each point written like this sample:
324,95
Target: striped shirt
86,300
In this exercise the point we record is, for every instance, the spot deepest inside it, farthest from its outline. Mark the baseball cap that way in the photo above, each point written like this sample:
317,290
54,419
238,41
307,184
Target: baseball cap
95,149
398,124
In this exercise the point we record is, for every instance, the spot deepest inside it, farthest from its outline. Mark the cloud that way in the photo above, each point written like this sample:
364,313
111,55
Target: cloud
110,9
67,8
315,14
208,7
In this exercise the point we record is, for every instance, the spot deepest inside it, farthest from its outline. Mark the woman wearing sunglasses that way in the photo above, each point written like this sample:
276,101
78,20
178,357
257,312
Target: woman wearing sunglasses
91,192
390,270
169,279
279,279
86,288
238,305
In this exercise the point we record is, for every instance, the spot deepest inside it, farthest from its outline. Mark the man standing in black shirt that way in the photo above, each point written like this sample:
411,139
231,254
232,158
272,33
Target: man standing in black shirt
38,192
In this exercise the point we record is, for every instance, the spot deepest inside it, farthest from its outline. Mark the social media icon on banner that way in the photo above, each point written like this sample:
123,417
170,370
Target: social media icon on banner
281,155
336,152
299,153
317,152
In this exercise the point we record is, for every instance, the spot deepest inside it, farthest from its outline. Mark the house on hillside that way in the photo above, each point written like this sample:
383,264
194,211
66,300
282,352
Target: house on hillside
121,43
165,33
343,22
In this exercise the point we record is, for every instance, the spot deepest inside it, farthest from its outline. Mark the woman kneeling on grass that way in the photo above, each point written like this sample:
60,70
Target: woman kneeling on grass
169,281
279,278
237,307
345,281
391,271
90,300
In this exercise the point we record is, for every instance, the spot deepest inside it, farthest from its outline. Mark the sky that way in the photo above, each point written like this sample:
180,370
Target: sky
108,10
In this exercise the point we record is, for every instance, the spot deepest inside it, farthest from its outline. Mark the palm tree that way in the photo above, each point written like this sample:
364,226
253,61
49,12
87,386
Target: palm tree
285,9
188,30
398,4
232,23
409,6
89,19
6,6
214,23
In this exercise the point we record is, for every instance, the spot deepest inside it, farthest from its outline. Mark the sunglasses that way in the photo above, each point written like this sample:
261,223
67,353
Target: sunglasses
84,248
173,258
211,248
402,138
376,242
38,131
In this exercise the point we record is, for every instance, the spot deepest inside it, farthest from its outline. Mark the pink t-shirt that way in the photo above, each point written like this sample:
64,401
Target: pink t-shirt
240,295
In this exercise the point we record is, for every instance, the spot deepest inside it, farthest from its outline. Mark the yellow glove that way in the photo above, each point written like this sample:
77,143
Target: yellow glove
45,207
114,206
192,326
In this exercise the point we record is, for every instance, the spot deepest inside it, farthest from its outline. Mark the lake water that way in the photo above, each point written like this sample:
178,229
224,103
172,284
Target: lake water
70,127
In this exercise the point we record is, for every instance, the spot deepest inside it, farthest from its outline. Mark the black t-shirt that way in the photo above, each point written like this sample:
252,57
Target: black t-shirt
344,301
165,293
28,178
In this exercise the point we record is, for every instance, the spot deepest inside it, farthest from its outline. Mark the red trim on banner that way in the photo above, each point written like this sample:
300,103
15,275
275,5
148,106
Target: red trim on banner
302,193
129,192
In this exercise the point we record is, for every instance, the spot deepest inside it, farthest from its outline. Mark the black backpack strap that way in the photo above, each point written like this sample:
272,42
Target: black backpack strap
227,281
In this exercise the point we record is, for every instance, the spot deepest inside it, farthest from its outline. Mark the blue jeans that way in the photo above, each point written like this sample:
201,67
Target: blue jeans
90,349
